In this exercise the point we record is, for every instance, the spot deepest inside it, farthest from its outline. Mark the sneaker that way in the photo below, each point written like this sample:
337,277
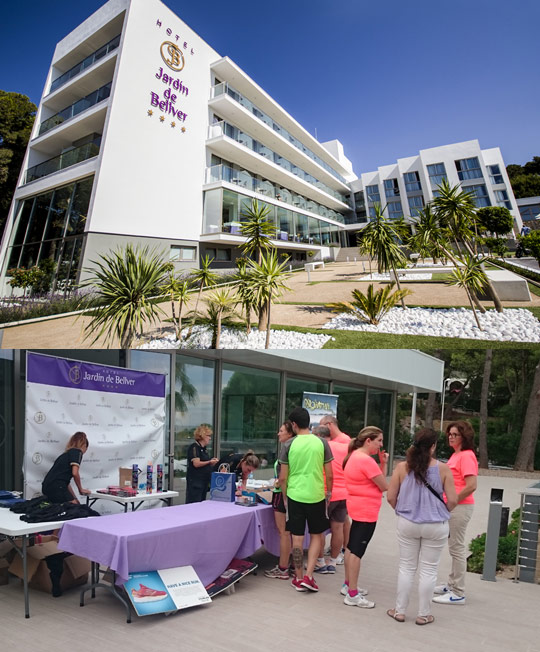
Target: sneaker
345,590
358,601
309,583
277,573
330,569
441,589
449,598
297,584
340,559
322,570
144,594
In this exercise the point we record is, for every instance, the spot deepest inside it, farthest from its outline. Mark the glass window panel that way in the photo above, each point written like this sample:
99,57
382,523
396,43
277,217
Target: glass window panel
380,412
295,389
249,411
14,257
29,255
39,217
22,220
314,233
79,207
350,408
230,210
213,210
58,213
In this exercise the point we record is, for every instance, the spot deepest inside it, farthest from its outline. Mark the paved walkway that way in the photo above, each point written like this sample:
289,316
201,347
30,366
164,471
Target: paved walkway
266,614
333,283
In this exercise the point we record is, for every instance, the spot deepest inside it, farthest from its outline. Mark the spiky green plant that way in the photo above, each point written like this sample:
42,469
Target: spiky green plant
472,278
258,230
372,306
178,290
128,287
220,312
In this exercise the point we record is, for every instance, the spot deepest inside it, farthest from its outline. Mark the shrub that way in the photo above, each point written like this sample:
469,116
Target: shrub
372,306
507,550
532,243
496,246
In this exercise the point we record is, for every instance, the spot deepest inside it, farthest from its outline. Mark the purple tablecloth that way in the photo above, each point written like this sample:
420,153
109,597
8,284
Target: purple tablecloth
204,535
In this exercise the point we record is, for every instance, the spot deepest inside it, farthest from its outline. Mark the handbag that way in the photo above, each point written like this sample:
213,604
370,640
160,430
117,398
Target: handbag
223,487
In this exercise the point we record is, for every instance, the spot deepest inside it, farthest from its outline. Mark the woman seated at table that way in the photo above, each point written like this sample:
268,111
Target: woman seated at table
57,483
241,465
200,465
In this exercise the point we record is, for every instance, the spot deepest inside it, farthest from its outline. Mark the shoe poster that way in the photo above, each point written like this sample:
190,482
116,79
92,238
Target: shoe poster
165,591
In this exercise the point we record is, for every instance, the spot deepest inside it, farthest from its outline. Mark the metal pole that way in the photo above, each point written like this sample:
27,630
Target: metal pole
413,414
492,536
442,404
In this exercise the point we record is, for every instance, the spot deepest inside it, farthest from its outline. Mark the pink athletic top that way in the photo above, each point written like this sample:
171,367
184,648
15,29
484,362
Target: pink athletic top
342,439
339,451
462,464
364,499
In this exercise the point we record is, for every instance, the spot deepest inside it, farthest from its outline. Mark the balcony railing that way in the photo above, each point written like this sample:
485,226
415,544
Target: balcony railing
85,63
225,88
64,160
244,179
76,108
226,129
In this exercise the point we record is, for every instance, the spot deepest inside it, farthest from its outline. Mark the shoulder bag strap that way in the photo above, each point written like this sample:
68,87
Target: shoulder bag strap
433,491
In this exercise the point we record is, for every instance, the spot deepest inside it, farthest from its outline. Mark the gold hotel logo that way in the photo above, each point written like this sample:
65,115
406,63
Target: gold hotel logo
172,55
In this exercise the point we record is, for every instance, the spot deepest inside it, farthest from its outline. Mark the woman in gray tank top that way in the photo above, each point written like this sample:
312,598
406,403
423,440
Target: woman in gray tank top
416,494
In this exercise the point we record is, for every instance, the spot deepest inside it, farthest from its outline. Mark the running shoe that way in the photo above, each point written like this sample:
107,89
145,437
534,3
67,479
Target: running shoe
449,598
330,569
309,583
358,601
145,594
340,559
345,590
322,570
441,589
297,584
277,573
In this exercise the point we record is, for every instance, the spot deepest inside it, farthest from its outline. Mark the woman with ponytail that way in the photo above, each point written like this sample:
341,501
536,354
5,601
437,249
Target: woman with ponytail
416,494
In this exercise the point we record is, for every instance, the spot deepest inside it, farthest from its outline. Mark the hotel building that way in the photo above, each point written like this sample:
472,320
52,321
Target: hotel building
408,185
145,134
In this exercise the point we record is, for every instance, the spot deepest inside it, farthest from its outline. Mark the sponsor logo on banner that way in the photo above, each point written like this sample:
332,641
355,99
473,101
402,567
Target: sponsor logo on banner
39,417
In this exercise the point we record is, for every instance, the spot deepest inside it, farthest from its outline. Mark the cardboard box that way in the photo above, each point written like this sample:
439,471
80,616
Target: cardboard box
75,572
125,477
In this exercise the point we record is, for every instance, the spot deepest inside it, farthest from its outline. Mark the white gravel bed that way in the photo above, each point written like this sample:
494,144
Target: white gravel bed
201,338
408,276
513,325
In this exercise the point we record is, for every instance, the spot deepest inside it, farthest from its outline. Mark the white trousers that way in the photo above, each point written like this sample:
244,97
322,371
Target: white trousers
459,519
420,547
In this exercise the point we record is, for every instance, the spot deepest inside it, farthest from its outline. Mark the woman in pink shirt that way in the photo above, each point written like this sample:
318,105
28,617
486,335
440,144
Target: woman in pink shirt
365,481
464,467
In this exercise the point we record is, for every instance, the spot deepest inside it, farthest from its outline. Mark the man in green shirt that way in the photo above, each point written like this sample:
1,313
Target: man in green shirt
305,461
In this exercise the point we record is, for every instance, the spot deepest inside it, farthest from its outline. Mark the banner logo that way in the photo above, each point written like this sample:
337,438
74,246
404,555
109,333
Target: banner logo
39,417
172,55
75,374
37,458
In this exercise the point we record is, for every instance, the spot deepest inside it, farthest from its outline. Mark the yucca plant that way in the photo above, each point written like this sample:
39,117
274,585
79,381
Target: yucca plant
178,290
128,287
472,278
258,230
372,306
205,277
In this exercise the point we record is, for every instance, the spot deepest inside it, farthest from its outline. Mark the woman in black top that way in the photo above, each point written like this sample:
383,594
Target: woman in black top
199,466
57,483
241,465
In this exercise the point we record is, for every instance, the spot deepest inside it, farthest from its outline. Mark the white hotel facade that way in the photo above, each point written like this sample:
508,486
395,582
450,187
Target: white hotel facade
145,134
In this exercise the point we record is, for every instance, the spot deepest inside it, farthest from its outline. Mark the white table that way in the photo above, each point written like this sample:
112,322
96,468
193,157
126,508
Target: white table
134,501
13,528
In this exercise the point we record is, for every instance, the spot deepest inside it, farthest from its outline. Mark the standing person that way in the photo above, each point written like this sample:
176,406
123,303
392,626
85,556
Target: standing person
281,570
57,483
241,465
303,460
416,494
330,421
200,465
365,481
464,467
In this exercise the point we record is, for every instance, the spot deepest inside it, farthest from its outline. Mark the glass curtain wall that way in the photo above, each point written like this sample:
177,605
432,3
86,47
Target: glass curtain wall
7,421
379,412
351,408
249,411
295,388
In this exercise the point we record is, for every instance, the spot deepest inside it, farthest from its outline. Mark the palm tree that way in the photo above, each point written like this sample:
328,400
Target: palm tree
219,313
128,287
472,278
372,306
245,292
456,211
379,239
257,229
178,290
428,238
206,277
269,281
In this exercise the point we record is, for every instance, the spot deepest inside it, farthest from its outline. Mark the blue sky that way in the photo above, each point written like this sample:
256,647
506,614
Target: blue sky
386,78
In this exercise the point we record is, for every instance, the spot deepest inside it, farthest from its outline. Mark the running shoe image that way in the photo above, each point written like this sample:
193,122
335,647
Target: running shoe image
144,594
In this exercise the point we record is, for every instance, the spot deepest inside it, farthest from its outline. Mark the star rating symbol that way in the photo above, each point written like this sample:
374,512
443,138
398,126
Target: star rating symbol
161,118
150,112
173,124
183,130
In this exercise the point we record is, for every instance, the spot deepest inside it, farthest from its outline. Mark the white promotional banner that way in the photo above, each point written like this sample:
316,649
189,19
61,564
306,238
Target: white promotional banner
122,412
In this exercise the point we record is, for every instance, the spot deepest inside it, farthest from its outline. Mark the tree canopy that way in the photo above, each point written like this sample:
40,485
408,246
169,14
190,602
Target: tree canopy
495,219
525,179
17,114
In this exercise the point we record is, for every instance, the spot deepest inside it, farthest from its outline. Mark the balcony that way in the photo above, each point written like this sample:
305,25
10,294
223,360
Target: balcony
232,144
233,106
74,109
64,160
85,63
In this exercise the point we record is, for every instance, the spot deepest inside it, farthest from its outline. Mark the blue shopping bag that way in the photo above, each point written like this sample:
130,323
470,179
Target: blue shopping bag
223,487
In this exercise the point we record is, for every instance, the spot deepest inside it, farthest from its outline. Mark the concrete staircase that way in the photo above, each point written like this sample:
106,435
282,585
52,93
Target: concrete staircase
351,253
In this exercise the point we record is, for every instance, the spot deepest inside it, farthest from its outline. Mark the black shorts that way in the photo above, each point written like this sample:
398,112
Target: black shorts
277,502
312,513
57,492
360,536
337,511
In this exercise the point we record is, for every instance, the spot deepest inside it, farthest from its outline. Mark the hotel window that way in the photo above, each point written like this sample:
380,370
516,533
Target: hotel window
391,188
412,181
416,204
178,253
394,210
437,173
373,195
502,199
468,168
495,175
372,211
219,255
480,195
